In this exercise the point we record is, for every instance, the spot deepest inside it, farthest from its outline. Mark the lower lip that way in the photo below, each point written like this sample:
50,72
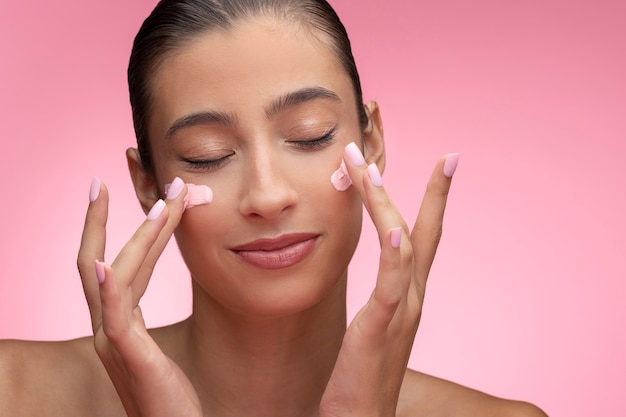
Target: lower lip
280,258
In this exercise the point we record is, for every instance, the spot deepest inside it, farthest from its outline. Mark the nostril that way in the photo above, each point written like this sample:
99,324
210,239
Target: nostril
268,200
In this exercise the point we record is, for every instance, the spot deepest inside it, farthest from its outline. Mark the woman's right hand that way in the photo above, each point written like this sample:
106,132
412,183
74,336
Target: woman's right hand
147,381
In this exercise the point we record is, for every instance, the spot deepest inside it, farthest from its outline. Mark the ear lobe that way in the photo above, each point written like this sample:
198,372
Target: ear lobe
144,183
373,137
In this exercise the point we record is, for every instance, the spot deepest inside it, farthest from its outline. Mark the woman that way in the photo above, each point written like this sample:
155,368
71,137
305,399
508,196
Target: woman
258,105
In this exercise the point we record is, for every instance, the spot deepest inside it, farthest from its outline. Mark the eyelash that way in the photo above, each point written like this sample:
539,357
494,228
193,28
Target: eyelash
317,143
309,145
206,164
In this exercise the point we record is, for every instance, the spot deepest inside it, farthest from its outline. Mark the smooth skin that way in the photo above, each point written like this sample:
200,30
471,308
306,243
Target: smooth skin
259,342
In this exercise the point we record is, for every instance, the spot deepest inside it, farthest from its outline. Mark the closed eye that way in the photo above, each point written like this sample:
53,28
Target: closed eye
316,143
206,164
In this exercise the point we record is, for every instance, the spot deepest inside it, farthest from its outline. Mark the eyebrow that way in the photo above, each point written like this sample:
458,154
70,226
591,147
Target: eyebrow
303,95
287,100
201,118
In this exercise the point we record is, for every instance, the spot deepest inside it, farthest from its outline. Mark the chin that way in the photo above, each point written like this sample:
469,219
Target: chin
270,294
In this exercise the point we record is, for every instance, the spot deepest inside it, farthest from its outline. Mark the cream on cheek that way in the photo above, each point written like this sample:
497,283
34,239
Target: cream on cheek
340,179
197,195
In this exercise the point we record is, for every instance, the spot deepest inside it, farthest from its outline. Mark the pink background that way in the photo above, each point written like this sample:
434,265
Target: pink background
526,297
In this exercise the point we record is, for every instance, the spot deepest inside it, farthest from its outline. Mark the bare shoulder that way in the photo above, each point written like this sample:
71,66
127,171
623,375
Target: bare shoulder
53,378
427,396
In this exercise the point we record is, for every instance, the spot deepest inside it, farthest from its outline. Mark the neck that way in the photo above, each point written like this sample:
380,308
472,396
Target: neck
243,364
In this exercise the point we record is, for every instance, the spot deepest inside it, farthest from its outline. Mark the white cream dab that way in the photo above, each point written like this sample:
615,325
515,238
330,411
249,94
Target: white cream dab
197,195
340,178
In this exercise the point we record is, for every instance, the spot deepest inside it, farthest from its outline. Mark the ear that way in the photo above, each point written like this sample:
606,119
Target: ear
144,183
373,137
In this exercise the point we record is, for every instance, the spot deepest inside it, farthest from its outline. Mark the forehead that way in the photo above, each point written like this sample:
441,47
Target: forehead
242,69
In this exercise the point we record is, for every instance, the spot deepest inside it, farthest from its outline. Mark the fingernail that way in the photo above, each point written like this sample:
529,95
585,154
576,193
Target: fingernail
175,188
156,210
100,271
374,174
396,235
354,155
450,163
94,190
340,178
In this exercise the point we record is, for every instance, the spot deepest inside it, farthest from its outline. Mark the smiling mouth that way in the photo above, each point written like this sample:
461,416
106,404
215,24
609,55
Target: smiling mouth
281,252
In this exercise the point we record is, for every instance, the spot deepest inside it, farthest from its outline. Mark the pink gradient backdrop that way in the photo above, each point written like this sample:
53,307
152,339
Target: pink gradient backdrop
526,297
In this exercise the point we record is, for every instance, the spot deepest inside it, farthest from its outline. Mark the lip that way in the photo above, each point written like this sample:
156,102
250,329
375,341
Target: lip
279,252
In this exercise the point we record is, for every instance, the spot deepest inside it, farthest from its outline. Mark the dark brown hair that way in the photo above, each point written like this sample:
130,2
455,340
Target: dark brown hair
174,22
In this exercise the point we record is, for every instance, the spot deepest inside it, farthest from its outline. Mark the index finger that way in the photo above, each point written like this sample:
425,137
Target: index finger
368,182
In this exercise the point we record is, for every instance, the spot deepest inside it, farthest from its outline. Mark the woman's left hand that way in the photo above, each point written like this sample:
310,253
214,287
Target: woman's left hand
372,362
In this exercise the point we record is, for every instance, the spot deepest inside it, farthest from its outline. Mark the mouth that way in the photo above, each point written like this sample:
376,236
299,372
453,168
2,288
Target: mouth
277,253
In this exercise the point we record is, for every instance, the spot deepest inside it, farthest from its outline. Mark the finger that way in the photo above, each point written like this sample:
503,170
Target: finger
132,256
386,297
92,245
428,226
118,316
385,216
176,206
368,182
136,261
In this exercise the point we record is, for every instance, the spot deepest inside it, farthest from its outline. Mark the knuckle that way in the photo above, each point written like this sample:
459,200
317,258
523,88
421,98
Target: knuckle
388,299
115,333
83,265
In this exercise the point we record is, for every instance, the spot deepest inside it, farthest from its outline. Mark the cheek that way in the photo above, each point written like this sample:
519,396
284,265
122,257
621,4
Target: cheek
201,230
340,211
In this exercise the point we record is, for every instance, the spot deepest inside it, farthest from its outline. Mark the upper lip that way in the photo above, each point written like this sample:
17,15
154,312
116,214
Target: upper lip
276,243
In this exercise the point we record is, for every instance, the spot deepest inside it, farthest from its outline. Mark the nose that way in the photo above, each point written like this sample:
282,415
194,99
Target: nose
268,190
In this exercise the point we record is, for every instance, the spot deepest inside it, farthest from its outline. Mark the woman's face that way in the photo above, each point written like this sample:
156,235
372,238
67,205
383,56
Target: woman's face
261,114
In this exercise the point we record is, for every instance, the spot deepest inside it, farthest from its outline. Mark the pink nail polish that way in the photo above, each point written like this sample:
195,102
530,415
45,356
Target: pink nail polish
94,190
354,155
175,188
374,174
100,271
450,163
396,235
156,210
197,195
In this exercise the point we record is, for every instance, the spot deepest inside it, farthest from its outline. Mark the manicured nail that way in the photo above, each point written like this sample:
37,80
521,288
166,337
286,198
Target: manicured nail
354,155
450,163
374,174
175,188
156,210
94,190
396,234
100,271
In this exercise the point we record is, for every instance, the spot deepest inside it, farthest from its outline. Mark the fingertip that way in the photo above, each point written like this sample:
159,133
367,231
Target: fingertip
374,174
98,193
94,189
354,155
100,272
156,210
174,189
450,164
396,236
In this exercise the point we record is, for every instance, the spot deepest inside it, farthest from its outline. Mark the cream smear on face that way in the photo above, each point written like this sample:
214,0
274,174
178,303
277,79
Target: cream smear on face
340,178
197,195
